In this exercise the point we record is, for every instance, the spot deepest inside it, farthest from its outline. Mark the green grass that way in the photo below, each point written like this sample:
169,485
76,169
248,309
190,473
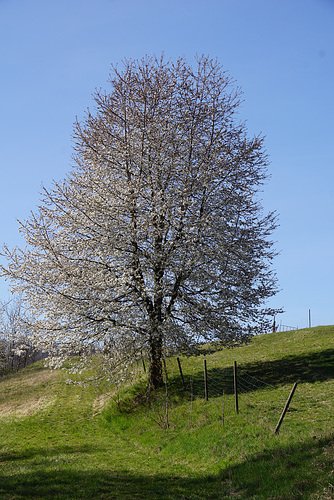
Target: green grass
68,441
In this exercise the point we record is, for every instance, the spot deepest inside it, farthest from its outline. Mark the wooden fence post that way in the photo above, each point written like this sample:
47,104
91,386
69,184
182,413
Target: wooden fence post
142,358
166,388
179,363
286,407
206,381
165,369
236,387
191,399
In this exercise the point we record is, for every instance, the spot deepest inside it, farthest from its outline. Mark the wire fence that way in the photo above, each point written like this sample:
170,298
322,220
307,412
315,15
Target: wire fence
263,403
285,328
239,392
248,391
261,396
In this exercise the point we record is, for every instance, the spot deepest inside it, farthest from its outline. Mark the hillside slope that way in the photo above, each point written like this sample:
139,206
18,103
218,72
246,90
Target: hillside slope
67,441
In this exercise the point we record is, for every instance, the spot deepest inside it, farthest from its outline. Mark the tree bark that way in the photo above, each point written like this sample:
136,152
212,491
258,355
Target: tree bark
155,378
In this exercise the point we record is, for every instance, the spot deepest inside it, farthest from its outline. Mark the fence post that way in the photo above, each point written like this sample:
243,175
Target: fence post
179,363
143,362
236,387
165,369
206,381
166,388
191,399
286,407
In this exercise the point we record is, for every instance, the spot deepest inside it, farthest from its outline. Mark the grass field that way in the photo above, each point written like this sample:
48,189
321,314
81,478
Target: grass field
66,441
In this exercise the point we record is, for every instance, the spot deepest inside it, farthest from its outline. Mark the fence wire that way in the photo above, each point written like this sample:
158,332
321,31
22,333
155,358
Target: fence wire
255,395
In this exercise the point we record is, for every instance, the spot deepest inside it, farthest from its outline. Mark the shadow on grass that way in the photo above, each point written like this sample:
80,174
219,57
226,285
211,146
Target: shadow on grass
51,451
285,473
312,367
305,368
280,473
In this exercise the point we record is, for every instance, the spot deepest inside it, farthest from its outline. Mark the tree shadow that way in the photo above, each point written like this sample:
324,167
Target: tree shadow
303,368
32,453
45,473
285,472
279,473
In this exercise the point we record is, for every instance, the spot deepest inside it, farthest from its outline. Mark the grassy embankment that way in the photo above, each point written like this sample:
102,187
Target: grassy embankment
65,441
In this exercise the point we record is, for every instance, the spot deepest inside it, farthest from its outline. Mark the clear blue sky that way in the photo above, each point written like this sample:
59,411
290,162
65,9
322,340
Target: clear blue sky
54,53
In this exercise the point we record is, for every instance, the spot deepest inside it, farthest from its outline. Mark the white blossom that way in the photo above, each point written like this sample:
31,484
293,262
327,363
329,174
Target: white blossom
157,237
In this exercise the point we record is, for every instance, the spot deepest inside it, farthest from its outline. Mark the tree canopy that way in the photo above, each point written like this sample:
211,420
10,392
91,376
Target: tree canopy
157,238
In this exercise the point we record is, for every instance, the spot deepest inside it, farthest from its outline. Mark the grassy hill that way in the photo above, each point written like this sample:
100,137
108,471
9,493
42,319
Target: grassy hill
65,441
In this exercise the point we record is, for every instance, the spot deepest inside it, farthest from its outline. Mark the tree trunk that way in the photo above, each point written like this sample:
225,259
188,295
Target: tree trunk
155,378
